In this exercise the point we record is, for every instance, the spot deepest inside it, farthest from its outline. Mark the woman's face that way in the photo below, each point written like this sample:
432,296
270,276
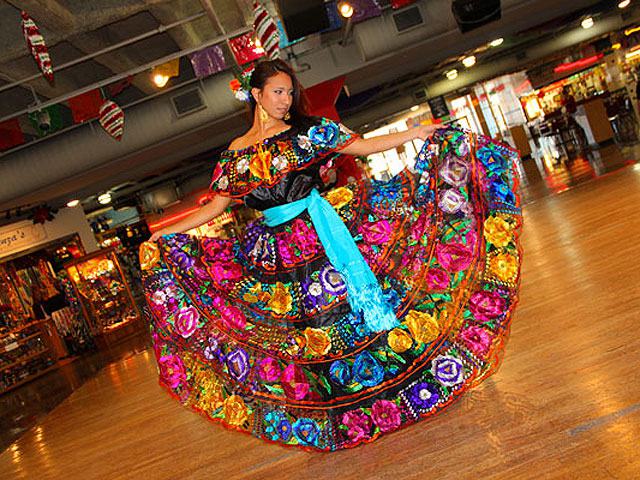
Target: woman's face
276,96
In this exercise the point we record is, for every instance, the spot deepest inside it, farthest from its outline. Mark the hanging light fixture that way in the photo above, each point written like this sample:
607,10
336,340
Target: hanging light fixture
345,9
160,80
452,74
469,61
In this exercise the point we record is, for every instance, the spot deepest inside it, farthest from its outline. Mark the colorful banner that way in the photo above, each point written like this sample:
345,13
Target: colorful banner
86,106
10,134
322,98
208,61
244,49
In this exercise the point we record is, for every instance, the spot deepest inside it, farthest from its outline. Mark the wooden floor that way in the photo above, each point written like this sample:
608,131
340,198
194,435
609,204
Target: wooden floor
566,403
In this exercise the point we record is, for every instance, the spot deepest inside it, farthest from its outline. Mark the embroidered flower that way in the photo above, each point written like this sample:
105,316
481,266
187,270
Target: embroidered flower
386,415
172,370
455,172
224,271
281,300
454,257
238,364
485,306
304,142
217,250
477,339
339,197
502,192
269,370
424,328
235,410
217,173
243,165
280,162
272,419
223,183
318,342
492,159
399,340
497,231
504,266
294,382
260,164
331,280
182,259
451,201
367,371
149,255
186,322
376,233
437,279
306,431
340,373
325,136
423,395
284,429
447,370
358,425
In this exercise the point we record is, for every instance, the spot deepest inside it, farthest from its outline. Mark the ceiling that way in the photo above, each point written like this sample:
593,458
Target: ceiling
376,60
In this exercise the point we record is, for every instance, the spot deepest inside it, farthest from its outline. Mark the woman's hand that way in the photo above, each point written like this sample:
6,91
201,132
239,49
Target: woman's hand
424,131
156,236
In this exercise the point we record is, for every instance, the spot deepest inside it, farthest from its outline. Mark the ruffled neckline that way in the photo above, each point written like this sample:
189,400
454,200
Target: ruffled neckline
264,141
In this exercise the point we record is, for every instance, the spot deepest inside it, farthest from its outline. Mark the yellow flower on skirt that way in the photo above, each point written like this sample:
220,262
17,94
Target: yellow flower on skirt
424,328
317,341
399,340
339,197
504,266
235,411
281,300
149,255
497,231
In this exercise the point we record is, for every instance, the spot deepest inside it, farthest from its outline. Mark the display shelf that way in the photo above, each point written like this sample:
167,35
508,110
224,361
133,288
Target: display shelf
28,379
19,342
23,360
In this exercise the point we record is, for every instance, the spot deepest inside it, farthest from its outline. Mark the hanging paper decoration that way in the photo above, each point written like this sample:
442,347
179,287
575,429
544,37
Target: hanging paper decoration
36,44
112,119
395,4
86,106
48,120
43,213
244,49
266,31
116,88
321,98
10,134
208,61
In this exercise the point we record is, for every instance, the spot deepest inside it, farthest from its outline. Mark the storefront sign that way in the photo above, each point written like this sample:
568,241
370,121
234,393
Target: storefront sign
438,107
20,236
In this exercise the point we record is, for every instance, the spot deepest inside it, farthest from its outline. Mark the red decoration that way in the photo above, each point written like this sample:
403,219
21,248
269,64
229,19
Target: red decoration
395,4
43,213
10,134
244,49
266,31
582,63
322,98
86,106
112,119
36,44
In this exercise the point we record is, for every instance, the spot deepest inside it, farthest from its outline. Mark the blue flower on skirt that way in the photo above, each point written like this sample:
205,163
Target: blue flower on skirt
392,298
238,364
447,370
340,372
273,419
502,192
493,160
367,371
423,395
284,429
306,431
324,135
331,280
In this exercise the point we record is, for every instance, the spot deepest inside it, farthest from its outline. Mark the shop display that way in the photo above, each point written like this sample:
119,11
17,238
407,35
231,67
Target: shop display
105,296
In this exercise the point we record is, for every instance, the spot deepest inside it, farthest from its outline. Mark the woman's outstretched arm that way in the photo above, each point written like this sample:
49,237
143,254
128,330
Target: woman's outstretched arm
367,146
207,212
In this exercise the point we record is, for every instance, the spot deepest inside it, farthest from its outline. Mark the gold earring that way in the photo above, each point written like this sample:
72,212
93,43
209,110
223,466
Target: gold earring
262,114
287,116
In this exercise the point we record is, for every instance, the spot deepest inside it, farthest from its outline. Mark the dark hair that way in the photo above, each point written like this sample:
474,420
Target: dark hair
266,69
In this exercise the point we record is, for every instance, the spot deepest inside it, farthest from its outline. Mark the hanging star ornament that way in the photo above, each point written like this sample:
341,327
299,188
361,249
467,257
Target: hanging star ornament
36,45
112,119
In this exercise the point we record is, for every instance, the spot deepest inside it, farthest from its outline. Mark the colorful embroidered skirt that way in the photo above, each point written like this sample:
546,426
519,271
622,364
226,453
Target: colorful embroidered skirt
258,334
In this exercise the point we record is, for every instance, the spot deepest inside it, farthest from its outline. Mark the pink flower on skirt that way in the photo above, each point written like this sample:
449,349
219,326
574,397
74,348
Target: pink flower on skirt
269,370
172,370
485,306
437,279
386,415
223,271
186,321
477,339
358,424
454,257
376,233
294,382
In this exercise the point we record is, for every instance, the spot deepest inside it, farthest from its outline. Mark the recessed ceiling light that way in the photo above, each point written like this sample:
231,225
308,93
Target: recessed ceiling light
415,108
587,23
73,203
497,42
452,74
624,3
469,61
104,198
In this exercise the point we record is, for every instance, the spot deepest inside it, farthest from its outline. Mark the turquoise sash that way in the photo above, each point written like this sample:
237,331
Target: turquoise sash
363,290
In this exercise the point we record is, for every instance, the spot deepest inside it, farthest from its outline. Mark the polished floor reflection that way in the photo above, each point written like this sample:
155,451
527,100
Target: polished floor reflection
566,403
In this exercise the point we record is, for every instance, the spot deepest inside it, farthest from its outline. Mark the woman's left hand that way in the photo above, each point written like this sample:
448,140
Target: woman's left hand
424,131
